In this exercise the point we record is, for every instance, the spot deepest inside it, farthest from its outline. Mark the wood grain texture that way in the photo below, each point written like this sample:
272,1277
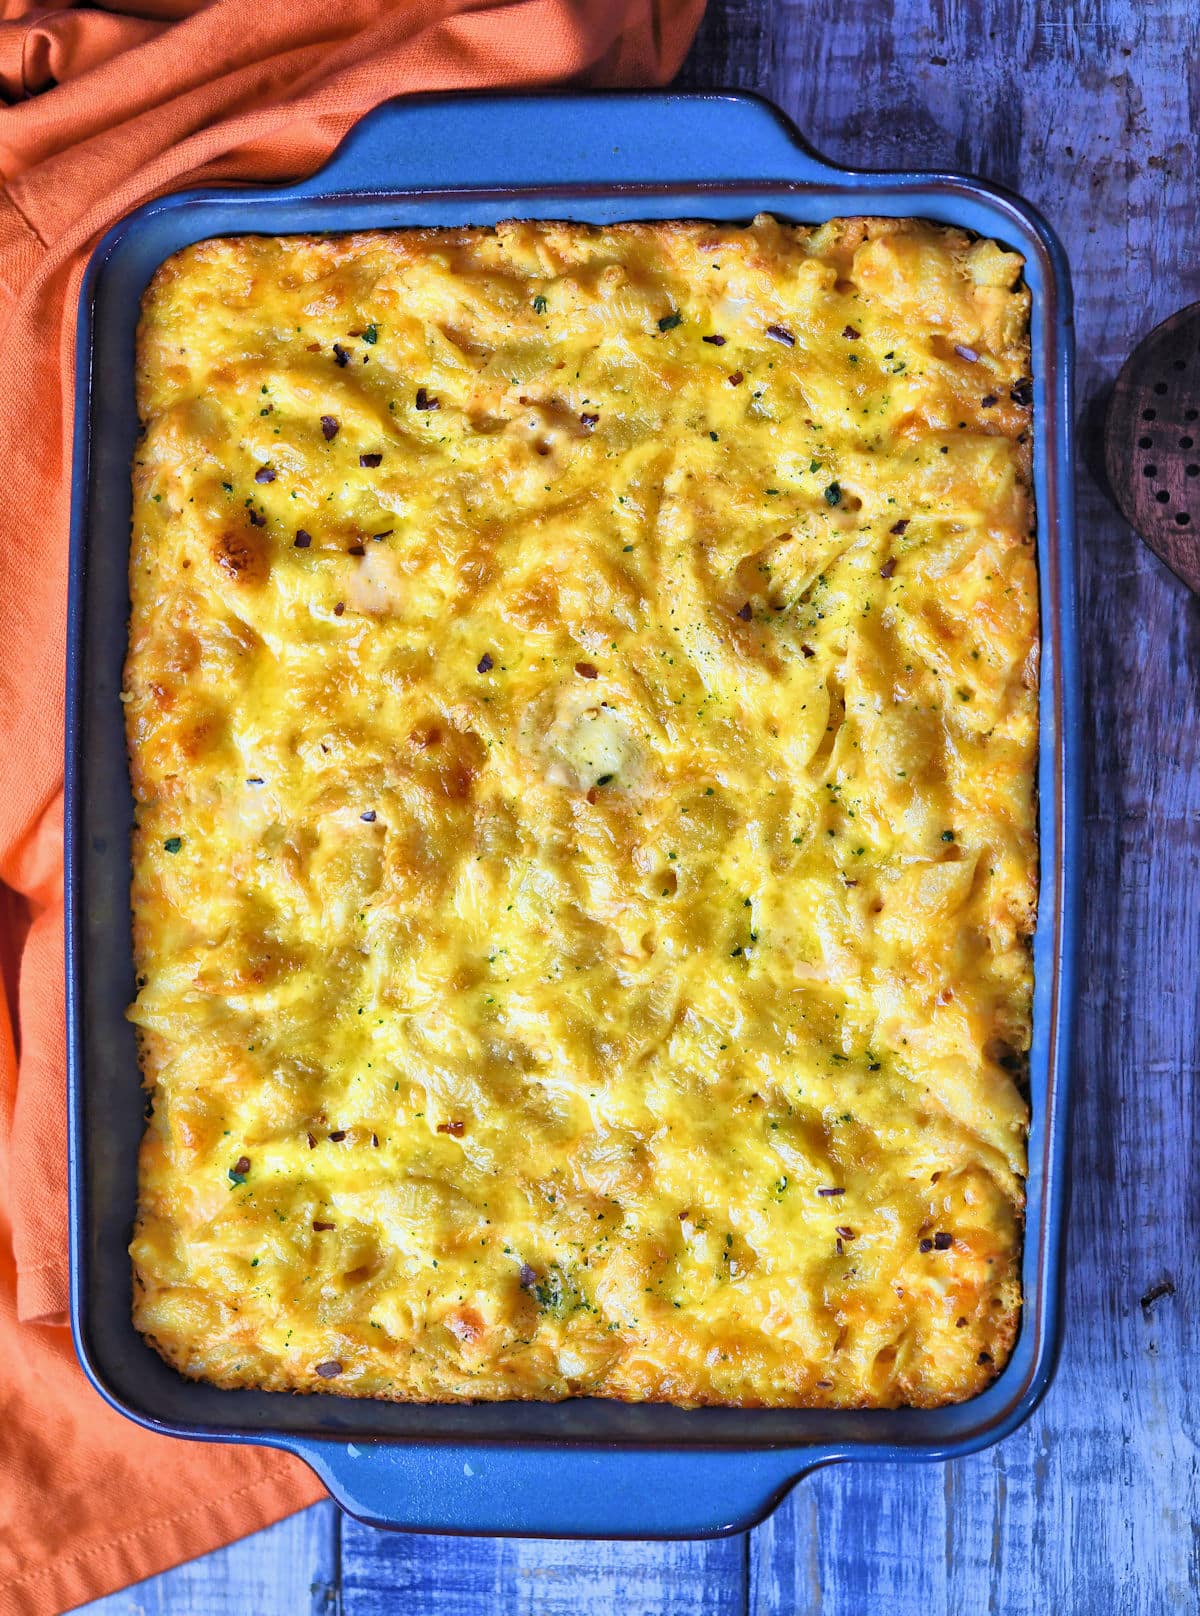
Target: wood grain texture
1152,442
386,1574
1091,109
292,1569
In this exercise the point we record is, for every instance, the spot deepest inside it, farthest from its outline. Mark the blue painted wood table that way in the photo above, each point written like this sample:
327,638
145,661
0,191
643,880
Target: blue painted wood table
1092,109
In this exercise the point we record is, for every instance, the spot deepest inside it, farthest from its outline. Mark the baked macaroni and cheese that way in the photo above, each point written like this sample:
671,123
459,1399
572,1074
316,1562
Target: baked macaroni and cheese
581,704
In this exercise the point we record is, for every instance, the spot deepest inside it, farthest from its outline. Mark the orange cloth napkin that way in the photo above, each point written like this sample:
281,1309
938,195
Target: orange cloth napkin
106,108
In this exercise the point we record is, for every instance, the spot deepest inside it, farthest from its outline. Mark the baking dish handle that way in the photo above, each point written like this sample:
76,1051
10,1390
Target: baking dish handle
498,1491
564,141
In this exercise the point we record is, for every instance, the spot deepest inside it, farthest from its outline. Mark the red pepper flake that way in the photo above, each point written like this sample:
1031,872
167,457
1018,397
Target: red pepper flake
527,1277
330,426
942,1241
256,520
826,1190
339,608
925,1245
264,474
370,459
321,1227
302,539
329,1369
745,612
900,527
587,670
780,333
340,354
356,549
237,1173
988,401
888,567
425,402
851,334
840,1247
845,1232
1021,392
969,354
808,651
457,1129
375,1140
715,340
312,347
338,1135
736,379
312,1141
588,419
960,1324
485,663
368,816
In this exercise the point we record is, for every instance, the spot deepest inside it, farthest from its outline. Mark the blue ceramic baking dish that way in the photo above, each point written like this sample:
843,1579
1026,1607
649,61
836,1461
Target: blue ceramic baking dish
588,1467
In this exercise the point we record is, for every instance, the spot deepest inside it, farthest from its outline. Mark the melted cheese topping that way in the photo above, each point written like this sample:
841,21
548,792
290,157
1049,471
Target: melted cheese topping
581,702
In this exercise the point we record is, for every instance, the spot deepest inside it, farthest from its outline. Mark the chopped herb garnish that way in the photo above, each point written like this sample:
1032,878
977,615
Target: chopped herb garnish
670,321
833,494
371,335
173,844
539,304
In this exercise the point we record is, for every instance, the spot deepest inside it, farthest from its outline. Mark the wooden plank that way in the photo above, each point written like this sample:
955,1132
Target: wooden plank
386,1574
290,1569
1092,1507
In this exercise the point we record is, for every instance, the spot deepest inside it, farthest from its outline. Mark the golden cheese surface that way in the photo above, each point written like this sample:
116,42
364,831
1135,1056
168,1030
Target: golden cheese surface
581,701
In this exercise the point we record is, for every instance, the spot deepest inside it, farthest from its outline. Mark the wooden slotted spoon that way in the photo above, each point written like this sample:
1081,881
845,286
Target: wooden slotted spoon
1152,442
